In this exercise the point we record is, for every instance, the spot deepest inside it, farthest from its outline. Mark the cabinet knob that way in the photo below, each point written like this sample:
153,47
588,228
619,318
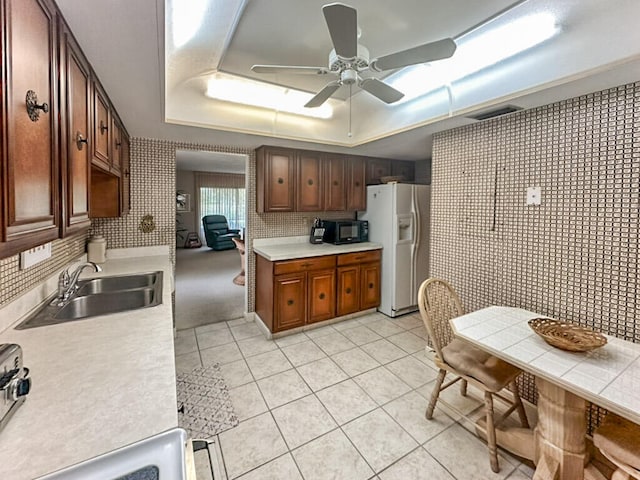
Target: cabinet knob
103,127
80,140
310,181
348,290
126,172
321,296
280,180
371,285
289,302
357,184
335,183
118,144
33,108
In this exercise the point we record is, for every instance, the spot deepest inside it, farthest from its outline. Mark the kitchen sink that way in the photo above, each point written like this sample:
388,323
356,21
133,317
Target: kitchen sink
102,296
117,284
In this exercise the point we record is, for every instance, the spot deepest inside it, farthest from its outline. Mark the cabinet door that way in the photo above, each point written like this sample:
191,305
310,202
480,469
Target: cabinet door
356,187
125,179
321,295
101,140
290,293
405,169
276,180
75,128
376,168
28,141
348,290
335,194
369,285
309,182
116,146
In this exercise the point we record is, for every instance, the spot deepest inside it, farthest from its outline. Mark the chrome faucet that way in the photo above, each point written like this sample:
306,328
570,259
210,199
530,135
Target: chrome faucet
68,283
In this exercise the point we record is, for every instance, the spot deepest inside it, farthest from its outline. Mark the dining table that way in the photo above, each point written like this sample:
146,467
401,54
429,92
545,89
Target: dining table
608,376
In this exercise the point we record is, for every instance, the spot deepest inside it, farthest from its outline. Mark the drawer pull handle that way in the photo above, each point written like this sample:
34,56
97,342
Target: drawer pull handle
305,265
103,127
289,302
359,257
280,180
371,285
81,140
321,296
33,107
348,290
310,181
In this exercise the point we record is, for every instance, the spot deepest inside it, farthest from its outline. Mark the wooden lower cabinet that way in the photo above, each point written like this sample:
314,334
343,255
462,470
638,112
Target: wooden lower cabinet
290,300
294,293
321,297
358,281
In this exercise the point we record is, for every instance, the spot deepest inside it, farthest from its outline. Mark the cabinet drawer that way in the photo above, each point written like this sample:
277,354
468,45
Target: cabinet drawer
359,257
304,264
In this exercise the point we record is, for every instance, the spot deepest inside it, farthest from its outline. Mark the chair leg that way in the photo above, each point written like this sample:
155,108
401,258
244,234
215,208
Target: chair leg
463,387
491,432
519,406
434,394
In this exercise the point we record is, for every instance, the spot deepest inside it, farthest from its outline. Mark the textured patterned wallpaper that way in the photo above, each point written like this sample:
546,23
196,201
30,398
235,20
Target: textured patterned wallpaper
574,257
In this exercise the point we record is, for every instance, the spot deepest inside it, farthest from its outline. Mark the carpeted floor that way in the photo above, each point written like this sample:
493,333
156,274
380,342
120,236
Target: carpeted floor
205,292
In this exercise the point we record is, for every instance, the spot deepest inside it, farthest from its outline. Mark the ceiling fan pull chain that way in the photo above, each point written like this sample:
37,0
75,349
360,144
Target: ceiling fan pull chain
349,133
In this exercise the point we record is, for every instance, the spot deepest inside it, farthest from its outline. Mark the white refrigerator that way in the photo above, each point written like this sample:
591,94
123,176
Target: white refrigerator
398,216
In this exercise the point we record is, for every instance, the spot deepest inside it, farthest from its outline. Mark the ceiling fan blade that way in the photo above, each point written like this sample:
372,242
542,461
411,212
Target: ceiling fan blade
421,54
290,69
342,21
323,95
381,90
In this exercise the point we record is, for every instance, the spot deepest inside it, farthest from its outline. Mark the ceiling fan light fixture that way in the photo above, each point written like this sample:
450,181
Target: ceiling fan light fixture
234,89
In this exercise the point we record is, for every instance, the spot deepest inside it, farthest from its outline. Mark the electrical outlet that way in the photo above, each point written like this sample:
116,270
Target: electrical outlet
534,195
35,255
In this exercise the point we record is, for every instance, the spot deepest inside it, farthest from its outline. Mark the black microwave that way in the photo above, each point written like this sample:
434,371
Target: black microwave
345,231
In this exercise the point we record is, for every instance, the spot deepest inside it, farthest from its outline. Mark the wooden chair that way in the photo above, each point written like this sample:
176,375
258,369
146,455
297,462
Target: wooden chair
438,304
619,440
239,279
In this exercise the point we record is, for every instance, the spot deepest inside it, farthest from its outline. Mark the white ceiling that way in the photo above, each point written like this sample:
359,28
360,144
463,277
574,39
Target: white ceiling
201,161
598,47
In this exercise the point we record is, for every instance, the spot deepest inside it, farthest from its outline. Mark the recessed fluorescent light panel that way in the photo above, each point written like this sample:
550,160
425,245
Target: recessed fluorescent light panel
477,50
186,19
231,88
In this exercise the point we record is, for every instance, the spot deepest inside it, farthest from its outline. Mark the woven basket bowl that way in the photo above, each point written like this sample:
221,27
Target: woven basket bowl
567,336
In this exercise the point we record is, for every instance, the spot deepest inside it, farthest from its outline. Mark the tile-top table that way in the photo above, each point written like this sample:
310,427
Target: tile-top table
608,376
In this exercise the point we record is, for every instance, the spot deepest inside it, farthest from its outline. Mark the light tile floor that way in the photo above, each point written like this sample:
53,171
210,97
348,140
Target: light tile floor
344,401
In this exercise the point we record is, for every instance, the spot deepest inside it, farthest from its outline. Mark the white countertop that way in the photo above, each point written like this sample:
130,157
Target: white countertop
607,376
98,384
289,248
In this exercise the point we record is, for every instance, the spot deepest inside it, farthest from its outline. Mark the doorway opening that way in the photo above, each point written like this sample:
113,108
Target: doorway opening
209,285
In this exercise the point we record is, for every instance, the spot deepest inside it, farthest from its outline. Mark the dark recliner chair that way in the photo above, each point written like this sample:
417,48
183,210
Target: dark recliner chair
217,232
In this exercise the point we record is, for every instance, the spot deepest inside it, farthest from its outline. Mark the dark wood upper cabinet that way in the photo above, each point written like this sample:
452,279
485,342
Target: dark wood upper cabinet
377,168
125,179
275,171
403,168
75,133
101,129
310,182
335,198
29,204
116,145
356,184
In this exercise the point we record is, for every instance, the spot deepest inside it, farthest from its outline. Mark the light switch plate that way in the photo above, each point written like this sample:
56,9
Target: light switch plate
534,195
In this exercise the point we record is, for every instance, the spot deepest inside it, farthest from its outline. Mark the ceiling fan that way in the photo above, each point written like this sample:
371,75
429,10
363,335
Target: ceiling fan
348,58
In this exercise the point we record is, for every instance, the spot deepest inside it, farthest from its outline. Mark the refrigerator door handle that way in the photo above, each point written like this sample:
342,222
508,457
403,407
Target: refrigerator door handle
415,210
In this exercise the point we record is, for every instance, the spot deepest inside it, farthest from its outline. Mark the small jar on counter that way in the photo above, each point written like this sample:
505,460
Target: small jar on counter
97,249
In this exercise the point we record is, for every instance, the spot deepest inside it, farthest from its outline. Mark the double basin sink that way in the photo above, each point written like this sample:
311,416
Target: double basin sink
102,296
